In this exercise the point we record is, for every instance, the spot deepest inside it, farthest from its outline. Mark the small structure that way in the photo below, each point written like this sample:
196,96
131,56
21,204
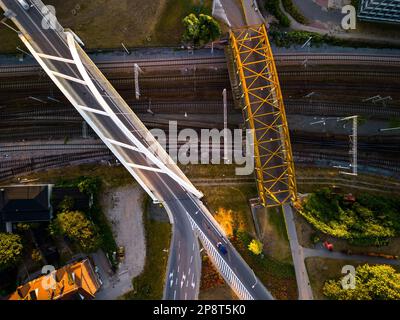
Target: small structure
24,204
77,281
380,10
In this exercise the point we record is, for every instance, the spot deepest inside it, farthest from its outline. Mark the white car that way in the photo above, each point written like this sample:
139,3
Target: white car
24,4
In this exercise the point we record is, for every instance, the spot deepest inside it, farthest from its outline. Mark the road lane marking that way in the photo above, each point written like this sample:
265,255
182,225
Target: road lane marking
174,294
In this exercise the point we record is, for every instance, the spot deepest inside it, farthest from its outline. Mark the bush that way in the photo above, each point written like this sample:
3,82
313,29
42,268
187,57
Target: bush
371,220
10,250
66,204
272,6
255,247
294,12
380,282
78,228
200,29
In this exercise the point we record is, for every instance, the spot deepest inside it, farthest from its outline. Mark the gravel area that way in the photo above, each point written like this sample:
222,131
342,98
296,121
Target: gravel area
123,208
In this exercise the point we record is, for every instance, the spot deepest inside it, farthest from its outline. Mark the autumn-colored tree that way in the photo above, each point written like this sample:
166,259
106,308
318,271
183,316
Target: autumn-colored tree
78,228
255,247
200,29
224,218
380,282
10,249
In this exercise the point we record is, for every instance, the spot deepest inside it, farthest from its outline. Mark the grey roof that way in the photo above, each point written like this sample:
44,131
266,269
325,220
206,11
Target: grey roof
24,204
380,10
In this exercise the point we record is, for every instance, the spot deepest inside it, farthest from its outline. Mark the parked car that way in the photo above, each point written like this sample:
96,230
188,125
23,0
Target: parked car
328,245
24,4
222,248
121,253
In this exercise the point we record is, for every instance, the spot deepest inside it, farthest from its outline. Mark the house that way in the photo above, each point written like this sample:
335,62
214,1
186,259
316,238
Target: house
25,203
76,281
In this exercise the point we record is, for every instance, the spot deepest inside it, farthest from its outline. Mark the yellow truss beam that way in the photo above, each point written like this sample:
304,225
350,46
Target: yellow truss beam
265,114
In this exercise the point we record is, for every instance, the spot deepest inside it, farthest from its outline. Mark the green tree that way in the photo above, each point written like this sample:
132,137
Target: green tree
89,185
10,249
380,282
255,247
200,29
78,228
66,204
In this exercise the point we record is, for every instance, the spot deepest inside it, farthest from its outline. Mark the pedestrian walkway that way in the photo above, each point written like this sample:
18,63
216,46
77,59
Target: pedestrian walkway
303,282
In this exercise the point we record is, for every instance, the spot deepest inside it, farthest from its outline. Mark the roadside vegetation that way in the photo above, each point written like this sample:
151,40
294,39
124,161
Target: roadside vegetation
291,8
10,250
373,282
370,220
296,38
273,7
149,285
229,206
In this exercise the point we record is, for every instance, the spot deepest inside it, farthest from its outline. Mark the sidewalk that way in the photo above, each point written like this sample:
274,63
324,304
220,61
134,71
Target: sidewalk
303,282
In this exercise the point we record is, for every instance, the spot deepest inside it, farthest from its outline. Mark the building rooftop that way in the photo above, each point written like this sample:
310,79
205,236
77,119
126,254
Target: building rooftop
25,203
380,10
74,281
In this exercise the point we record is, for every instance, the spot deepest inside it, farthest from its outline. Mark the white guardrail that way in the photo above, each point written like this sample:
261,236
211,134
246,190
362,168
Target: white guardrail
226,271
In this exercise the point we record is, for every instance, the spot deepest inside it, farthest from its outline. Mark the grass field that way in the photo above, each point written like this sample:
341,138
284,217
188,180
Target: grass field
106,23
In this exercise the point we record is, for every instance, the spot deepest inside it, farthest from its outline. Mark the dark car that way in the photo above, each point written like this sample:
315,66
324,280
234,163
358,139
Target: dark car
221,248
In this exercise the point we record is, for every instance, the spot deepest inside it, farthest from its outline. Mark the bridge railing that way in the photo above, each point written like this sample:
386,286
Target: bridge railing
225,270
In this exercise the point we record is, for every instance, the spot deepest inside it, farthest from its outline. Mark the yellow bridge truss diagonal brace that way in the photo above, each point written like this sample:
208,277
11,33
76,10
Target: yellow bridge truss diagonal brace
264,112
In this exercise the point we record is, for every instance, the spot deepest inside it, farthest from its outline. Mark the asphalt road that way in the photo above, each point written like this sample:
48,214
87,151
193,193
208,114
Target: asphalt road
184,262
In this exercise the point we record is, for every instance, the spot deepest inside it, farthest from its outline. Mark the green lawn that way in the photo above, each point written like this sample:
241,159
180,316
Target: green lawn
104,24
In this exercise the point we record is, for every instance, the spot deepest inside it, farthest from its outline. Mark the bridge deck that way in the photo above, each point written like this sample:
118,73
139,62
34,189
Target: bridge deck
264,113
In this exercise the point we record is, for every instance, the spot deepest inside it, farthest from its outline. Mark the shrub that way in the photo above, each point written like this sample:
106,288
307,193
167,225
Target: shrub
255,247
294,12
200,29
10,250
66,204
380,282
371,220
78,228
272,6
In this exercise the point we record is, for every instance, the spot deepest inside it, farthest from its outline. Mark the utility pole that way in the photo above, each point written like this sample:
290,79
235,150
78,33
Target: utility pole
137,71
84,130
308,44
354,145
389,129
225,101
24,52
149,108
37,99
126,49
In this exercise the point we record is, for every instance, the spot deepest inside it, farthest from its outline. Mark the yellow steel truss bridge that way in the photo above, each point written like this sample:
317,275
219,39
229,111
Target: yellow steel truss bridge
264,112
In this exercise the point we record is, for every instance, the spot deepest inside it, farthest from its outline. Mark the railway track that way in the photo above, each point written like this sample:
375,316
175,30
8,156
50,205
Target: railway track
285,59
13,168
